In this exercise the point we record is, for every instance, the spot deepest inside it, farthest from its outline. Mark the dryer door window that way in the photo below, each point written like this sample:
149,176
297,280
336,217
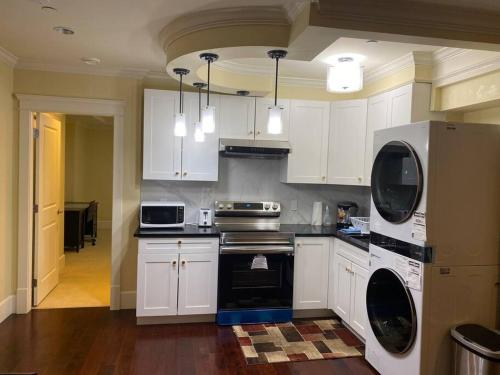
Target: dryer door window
396,181
391,311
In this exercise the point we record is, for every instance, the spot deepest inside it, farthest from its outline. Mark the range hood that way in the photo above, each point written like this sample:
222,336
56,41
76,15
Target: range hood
257,149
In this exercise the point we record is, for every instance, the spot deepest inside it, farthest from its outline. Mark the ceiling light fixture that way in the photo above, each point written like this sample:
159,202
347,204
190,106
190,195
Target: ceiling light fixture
242,93
48,9
199,135
180,118
91,60
208,112
345,76
274,122
63,30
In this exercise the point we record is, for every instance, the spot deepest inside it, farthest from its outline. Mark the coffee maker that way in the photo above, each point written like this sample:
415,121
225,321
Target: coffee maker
345,210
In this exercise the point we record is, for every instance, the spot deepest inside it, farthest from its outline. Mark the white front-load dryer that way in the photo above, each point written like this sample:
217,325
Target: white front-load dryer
394,301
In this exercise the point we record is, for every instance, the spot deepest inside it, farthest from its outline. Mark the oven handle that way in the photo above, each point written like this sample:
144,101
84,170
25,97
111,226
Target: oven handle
256,249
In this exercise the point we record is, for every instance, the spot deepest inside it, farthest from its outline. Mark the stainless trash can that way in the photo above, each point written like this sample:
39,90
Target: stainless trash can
476,350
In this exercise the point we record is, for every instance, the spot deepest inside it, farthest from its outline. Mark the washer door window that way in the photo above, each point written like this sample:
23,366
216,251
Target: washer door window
391,311
396,181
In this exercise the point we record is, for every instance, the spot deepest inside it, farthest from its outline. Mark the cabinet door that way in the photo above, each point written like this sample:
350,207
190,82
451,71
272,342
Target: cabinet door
262,114
376,119
400,102
237,117
308,136
341,274
157,284
358,315
200,160
198,283
310,282
161,149
346,143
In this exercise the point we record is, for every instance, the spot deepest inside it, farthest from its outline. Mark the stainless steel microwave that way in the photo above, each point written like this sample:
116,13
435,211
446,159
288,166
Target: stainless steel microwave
162,214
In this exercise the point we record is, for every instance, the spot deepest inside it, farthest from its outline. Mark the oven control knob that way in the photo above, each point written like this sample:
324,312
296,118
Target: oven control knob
267,206
229,206
221,206
275,206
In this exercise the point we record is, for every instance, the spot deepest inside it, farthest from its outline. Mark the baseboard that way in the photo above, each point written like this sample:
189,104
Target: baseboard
115,297
7,307
128,300
23,301
175,319
62,262
313,313
103,224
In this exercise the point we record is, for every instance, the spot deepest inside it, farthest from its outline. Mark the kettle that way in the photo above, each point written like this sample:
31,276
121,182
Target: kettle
345,210
205,218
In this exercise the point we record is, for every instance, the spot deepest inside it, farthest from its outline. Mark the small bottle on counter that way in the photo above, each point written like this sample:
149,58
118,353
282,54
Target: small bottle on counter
327,219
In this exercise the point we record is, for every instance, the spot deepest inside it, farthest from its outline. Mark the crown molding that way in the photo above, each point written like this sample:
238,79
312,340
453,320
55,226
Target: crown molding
452,65
8,58
224,17
89,70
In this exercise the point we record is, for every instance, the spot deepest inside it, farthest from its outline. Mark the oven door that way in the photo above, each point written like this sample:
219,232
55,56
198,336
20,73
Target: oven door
242,286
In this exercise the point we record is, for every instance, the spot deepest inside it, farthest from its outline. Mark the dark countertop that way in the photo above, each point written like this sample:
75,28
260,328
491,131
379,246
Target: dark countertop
300,230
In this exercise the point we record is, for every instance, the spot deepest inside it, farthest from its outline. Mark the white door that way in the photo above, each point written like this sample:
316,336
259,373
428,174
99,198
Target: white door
376,119
157,276
262,114
341,287
200,160
346,143
310,282
358,315
400,104
47,193
308,136
237,117
198,283
161,149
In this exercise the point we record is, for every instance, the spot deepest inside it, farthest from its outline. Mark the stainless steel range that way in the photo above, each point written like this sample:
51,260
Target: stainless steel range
255,263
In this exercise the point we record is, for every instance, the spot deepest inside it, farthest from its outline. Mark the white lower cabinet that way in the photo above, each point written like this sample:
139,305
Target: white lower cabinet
347,285
310,284
177,276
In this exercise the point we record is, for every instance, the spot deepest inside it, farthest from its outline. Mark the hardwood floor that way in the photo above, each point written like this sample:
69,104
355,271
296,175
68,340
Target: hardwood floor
98,341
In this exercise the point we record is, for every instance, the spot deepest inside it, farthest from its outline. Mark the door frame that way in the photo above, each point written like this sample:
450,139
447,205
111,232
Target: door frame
28,105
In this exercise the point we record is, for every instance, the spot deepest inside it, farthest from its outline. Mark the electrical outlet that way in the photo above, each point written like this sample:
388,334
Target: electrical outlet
293,205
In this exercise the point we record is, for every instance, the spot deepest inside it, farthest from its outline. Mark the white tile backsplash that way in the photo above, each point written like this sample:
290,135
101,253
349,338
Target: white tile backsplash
256,179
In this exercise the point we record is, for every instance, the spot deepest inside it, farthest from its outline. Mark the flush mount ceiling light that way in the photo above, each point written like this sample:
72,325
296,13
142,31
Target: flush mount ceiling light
180,118
208,112
242,93
63,30
91,60
48,9
274,122
199,135
345,76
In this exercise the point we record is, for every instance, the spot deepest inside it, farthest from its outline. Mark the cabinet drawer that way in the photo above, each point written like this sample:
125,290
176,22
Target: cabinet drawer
352,253
179,245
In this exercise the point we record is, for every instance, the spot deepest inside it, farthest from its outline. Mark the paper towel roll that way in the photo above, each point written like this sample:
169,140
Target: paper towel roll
317,214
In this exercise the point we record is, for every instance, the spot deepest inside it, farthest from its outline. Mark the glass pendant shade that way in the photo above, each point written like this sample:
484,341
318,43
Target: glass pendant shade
274,123
180,129
199,135
208,119
346,76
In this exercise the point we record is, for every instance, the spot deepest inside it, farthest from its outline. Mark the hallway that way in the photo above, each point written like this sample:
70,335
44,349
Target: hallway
85,280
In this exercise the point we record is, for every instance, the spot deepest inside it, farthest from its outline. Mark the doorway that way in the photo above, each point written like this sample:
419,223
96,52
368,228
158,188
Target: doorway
80,269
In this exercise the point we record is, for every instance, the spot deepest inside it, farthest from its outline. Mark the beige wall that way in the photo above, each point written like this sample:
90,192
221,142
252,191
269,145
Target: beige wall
8,185
485,116
89,163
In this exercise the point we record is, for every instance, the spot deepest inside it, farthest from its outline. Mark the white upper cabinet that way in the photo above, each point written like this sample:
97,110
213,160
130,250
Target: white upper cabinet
400,103
161,150
200,160
237,117
377,118
346,143
310,285
262,114
308,137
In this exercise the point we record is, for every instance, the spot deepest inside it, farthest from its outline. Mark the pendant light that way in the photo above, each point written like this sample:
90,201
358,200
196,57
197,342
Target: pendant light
274,122
345,76
208,112
180,129
199,135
